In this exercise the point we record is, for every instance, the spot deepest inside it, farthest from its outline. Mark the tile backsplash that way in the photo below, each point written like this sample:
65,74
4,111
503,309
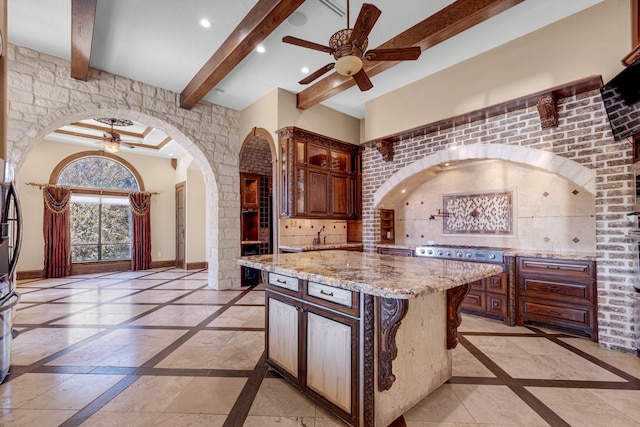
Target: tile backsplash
297,232
549,212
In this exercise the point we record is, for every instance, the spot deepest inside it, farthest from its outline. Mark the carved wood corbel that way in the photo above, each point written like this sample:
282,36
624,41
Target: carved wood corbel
454,303
548,111
390,313
386,149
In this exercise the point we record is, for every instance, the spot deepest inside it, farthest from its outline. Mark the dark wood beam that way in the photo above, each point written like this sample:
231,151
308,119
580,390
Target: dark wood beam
442,25
265,17
83,16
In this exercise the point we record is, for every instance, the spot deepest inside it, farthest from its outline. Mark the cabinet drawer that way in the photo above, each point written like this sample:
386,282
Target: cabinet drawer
497,284
579,293
575,316
337,299
285,282
557,267
497,304
478,285
475,301
329,293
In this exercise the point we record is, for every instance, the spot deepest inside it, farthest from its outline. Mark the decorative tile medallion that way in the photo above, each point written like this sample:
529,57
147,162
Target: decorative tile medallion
478,213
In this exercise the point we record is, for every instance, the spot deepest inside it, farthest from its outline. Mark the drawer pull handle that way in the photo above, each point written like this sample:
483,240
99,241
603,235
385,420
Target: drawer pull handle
554,289
323,292
281,281
555,313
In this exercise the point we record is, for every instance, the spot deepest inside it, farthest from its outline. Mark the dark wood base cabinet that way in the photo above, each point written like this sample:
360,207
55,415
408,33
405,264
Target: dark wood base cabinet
490,297
558,293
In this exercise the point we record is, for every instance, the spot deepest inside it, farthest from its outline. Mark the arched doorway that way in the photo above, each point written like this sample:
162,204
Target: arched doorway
258,225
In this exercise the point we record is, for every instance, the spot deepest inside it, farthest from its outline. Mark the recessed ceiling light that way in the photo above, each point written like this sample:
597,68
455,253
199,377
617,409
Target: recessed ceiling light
220,91
304,70
205,23
170,154
297,19
260,49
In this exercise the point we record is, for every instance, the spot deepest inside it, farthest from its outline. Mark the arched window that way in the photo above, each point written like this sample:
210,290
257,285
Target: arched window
100,213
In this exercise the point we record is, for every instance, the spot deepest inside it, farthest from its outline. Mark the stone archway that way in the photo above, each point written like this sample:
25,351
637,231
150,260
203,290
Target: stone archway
46,124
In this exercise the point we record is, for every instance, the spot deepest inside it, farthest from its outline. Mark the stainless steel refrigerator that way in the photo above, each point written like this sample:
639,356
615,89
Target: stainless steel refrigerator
10,239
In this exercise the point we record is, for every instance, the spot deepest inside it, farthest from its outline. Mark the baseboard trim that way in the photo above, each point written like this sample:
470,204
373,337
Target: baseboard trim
29,274
197,265
100,267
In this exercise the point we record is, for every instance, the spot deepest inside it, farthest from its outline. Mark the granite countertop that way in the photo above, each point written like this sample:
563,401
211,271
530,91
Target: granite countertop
584,256
387,276
327,246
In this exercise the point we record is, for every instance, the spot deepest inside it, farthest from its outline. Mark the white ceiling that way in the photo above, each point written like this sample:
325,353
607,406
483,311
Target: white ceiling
160,42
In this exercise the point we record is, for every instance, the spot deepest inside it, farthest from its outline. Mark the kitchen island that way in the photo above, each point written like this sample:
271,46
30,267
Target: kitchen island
365,335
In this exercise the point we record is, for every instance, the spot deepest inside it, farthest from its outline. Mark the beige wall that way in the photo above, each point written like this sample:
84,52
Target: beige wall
196,211
591,42
157,175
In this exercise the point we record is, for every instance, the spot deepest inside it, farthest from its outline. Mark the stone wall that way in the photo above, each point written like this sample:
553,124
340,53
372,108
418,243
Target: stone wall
42,97
256,157
580,144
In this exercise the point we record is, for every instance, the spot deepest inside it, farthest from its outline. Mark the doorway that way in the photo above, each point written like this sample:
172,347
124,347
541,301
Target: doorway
180,226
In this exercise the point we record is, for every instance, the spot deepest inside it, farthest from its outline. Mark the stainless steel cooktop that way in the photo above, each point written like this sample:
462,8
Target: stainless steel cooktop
463,253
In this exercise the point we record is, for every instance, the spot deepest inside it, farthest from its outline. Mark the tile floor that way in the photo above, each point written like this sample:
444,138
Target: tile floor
158,348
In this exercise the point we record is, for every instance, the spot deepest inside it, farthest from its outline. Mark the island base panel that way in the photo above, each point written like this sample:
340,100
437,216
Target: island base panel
423,362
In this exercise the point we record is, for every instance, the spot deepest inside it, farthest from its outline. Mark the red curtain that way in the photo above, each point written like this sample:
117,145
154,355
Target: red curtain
141,229
57,235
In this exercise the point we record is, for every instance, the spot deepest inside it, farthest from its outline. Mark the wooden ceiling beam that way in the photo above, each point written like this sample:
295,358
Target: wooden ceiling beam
83,16
442,25
265,17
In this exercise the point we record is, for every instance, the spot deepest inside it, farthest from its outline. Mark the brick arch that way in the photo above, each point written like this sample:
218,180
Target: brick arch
544,160
52,120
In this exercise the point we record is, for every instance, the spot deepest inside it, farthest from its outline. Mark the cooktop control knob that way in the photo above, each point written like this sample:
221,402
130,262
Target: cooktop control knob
421,251
430,252
468,255
448,253
459,254
492,256
440,253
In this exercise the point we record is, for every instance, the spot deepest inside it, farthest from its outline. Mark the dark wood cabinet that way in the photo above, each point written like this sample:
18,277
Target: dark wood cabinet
249,191
490,298
558,293
320,176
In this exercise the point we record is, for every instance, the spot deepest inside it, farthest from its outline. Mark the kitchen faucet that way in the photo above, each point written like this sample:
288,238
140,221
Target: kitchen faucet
317,240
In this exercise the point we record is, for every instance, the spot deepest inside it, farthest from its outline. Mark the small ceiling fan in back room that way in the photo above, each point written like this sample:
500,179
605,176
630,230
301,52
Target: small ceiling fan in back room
112,141
349,48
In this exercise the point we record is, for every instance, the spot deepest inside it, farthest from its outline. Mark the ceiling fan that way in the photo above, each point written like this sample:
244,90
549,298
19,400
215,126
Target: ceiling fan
349,48
112,141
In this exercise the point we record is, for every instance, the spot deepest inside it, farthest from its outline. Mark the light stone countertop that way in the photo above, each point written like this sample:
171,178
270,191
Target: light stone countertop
387,276
583,256
327,246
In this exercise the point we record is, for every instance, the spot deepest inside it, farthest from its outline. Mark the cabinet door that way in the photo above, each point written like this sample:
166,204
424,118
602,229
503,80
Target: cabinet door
282,341
249,187
339,190
318,194
331,358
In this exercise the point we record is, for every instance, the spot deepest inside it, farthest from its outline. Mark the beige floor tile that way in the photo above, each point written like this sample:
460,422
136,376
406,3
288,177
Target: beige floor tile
151,337
120,419
471,323
98,296
238,317
625,401
496,405
169,275
47,283
253,297
202,275
524,357
580,407
242,351
137,284
148,394
629,363
210,338
20,391
175,315
209,296
276,398
100,354
191,420
33,417
184,284
441,405
106,314
128,274
466,365
154,296
46,312
74,393
264,421
208,396
46,295
34,345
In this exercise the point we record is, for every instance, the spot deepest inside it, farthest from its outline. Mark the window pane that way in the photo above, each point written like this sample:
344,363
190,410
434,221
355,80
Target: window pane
115,224
97,172
117,251
84,253
84,223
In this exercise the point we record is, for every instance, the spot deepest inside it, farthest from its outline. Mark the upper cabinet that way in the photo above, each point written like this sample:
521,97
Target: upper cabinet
320,176
249,191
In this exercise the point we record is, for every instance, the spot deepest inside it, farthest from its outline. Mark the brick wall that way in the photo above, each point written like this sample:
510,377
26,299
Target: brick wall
42,97
581,144
256,157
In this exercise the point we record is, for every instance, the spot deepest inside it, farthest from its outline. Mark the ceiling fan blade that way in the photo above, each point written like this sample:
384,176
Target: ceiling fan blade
367,18
362,80
124,144
311,77
304,43
397,54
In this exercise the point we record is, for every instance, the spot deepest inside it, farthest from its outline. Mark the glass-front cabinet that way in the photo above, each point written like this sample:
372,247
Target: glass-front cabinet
320,176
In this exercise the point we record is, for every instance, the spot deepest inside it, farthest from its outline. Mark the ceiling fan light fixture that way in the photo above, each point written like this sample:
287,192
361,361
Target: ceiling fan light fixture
111,146
348,65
